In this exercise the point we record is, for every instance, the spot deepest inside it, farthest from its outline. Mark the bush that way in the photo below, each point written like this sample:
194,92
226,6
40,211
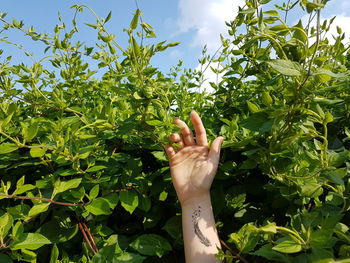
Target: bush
83,174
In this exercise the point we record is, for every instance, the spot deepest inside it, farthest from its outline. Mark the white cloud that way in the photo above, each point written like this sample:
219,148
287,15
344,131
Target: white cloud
207,18
176,54
345,4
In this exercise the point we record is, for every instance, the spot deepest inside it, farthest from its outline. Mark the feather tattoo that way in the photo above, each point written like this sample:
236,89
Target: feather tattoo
195,217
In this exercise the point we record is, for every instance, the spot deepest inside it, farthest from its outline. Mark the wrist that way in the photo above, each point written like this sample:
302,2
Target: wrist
196,200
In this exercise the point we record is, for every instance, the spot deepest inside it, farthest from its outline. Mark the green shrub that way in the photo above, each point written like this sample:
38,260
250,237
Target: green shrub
83,174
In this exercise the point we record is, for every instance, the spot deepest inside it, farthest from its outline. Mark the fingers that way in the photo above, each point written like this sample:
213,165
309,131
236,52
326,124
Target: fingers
177,138
201,135
214,153
187,134
169,151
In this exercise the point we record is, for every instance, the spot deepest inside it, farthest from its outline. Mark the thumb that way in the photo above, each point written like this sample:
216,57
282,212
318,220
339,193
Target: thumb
214,153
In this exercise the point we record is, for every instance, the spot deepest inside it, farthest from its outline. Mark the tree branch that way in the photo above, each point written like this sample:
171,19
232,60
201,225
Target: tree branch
86,238
236,255
58,202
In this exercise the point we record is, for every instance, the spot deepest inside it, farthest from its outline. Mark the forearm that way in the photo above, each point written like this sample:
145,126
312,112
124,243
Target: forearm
200,236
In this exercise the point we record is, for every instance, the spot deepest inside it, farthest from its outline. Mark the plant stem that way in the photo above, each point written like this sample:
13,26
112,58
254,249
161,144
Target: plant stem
294,234
86,238
325,146
57,202
11,139
236,255
41,199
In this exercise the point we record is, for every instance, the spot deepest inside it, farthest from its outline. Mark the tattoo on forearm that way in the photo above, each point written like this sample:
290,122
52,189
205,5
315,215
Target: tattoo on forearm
195,217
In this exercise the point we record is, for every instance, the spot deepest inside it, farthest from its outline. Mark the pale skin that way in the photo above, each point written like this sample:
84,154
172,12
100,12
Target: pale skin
193,166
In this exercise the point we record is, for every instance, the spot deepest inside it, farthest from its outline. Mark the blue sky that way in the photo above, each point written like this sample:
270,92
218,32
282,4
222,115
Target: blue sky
191,22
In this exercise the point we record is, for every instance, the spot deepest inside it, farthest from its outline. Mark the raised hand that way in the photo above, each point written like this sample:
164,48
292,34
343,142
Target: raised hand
193,165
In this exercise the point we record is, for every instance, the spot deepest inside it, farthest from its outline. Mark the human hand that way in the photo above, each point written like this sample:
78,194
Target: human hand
193,165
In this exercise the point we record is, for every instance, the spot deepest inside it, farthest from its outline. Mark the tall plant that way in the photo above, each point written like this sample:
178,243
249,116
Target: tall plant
83,174
283,106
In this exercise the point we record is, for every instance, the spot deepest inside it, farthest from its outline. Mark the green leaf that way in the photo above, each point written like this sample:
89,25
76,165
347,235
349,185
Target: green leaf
173,227
163,196
108,17
287,245
5,259
24,188
6,121
135,20
154,123
328,118
96,168
29,132
160,155
253,108
20,182
62,186
235,197
135,47
94,192
109,252
311,189
112,200
335,176
271,13
258,122
337,159
54,254
30,241
7,147
286,67
266,98
267,252
320,111
28,255
85,151
321,256
65,172
279,28
173,44
129,200
137,96
269,228
299,32
37,152
38,209
322,238
247,11
92,25
151,245
6,222
145,203
323,100
311,6
18,229
344,251
246,238
57,232
99,206
128,257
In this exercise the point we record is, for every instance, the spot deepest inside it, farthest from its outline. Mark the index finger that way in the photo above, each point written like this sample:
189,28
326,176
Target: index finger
187,134
201,135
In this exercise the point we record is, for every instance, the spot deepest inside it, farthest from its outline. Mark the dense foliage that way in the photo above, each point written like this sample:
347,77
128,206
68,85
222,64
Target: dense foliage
83,174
